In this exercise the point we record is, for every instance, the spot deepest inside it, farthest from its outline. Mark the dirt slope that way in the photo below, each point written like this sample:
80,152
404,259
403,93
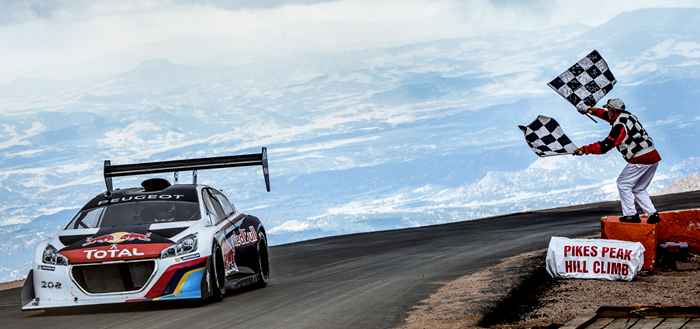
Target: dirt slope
518,293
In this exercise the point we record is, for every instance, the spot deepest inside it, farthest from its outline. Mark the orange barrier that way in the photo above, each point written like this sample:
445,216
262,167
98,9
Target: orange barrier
679,226
675,226
612,228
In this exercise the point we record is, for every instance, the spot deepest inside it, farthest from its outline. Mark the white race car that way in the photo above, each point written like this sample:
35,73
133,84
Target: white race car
154,242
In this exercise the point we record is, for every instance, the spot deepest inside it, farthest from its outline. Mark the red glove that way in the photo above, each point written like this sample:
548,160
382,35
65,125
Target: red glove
582,150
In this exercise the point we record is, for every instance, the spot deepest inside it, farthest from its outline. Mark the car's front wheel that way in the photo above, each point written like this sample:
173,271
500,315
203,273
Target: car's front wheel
217,279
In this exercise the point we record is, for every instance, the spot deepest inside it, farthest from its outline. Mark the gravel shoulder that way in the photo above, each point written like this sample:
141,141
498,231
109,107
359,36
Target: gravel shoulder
518,293
11,284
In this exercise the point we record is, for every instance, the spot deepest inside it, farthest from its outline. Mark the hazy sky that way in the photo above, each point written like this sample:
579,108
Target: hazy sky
62,39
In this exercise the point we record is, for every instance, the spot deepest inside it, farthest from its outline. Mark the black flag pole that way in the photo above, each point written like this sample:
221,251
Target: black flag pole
553,155
590,117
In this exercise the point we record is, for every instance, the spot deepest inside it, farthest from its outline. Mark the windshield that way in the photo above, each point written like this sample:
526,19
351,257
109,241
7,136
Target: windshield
134,213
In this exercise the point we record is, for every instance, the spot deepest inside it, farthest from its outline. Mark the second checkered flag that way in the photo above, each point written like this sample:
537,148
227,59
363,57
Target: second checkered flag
546,138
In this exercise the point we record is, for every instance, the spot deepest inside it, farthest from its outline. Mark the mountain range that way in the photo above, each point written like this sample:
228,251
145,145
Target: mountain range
363,140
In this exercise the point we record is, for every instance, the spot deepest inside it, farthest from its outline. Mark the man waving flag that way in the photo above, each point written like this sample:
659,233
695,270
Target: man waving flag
637,148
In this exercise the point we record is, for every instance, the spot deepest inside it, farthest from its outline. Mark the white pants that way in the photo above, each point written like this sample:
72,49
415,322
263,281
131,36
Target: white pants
632,184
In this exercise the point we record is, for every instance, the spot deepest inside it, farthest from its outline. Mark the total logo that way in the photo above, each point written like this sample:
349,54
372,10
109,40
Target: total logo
112,253
117,237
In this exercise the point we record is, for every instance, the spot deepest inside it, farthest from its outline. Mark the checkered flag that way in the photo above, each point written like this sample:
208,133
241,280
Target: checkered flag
546,138
586,82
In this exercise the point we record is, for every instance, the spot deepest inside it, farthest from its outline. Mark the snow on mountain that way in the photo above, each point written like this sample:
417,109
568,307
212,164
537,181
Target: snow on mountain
364,140
19,241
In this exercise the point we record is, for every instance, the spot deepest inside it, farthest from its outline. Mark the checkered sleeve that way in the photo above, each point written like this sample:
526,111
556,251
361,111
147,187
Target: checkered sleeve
616,136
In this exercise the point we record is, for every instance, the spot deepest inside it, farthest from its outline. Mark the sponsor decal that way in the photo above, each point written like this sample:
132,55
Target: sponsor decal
117,237
227,240
112,253
186,258
229,257
142,198
175,276
117,244
189,286
115,252
46,268
180,194
244,237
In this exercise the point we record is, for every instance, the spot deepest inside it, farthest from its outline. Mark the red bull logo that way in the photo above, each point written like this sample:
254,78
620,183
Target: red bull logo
117,237
245,237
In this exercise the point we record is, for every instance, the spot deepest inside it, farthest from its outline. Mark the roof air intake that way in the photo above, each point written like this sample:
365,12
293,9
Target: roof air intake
155,184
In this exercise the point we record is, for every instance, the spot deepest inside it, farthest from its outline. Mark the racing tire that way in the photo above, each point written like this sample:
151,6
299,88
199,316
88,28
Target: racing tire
263,261
217,280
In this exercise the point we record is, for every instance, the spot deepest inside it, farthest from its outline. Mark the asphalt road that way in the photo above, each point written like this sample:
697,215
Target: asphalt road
368,280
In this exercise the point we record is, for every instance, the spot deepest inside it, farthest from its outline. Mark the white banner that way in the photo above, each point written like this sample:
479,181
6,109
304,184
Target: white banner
594,259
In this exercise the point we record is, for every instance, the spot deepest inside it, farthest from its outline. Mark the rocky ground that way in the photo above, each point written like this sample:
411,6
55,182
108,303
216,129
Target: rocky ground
10,285
684,184
518,293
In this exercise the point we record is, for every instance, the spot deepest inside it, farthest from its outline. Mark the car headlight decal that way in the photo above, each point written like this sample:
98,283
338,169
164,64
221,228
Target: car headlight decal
183,246
51,256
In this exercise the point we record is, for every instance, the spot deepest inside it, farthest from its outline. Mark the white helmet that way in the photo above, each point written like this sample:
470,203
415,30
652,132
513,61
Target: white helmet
616,104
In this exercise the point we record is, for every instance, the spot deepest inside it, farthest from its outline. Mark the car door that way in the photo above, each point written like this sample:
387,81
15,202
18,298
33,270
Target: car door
225,230
245,237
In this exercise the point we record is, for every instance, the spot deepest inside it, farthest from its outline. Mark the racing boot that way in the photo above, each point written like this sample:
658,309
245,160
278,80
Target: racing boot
631,219
654,218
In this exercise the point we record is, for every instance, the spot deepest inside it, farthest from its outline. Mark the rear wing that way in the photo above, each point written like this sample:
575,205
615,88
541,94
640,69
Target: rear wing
176,166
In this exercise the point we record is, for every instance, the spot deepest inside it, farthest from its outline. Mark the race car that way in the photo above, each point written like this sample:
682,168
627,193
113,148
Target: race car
160,241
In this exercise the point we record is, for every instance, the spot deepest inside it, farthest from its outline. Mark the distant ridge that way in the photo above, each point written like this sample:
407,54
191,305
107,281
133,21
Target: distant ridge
684,184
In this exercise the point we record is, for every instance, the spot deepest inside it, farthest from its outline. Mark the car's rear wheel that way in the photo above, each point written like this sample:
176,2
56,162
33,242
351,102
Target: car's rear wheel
217,280
263,261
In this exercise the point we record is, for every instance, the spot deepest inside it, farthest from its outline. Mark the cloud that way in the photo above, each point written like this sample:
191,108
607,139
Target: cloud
290,226
12,12
235,5
20,11
63,39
